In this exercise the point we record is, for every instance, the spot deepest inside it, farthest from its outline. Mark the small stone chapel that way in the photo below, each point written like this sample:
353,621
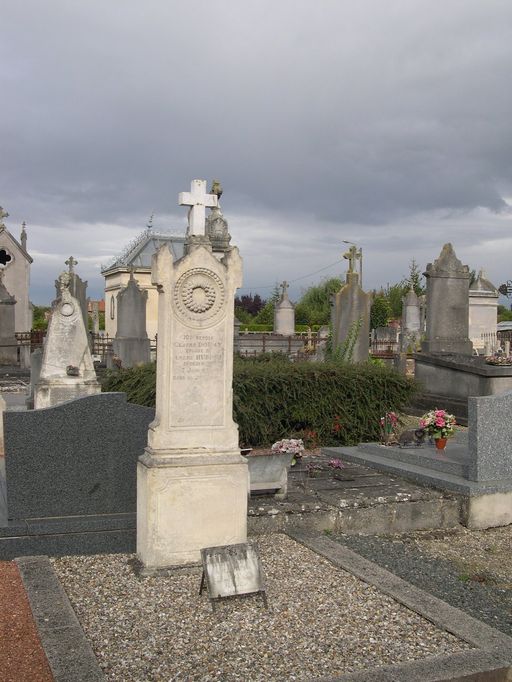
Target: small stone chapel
15,263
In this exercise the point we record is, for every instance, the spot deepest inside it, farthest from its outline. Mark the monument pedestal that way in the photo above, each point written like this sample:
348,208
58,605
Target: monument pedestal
187,502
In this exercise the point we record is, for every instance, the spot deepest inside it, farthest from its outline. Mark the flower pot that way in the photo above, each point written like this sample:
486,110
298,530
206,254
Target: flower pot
269,472
441,443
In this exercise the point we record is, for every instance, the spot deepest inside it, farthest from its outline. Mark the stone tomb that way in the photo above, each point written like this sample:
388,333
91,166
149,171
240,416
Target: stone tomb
67,370
192,482
477,464
69,484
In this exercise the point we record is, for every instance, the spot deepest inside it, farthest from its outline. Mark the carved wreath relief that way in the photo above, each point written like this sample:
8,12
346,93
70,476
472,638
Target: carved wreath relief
199,296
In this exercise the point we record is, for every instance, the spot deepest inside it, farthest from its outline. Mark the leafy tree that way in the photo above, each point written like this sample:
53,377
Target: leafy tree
266,314
251,304
315,305
39,317
380,312
395,293
504,314
415,279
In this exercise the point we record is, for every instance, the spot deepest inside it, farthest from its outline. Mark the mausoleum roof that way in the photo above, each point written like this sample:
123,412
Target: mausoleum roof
140,251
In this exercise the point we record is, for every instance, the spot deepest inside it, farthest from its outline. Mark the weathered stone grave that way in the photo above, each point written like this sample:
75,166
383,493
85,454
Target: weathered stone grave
69,483
131,344
67,370
192,482
351,314
77,289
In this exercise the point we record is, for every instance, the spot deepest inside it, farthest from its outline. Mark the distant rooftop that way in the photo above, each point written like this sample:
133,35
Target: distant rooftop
141,249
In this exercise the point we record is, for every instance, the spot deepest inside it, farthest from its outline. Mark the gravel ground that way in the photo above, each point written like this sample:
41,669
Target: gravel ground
471,570
322,621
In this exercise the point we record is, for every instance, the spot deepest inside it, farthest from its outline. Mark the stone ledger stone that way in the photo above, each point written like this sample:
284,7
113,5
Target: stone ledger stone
447,305
352,313
67,370
192,482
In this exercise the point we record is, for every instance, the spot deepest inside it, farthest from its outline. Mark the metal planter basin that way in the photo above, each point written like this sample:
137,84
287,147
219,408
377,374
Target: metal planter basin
269,472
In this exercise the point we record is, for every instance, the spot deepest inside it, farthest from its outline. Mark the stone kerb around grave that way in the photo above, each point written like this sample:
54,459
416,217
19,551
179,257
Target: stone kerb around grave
192,482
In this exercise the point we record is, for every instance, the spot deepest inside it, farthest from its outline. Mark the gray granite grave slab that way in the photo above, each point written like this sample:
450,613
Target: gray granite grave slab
77,458
490,446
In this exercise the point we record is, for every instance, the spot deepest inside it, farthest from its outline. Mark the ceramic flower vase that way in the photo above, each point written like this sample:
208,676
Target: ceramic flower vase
441,443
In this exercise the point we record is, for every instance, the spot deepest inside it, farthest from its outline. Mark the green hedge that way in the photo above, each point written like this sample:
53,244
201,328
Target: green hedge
327,403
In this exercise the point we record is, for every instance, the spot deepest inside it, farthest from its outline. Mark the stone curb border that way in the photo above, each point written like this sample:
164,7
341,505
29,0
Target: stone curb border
68,652
490,661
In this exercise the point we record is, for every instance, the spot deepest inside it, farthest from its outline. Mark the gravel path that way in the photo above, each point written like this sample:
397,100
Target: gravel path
471,570
322,622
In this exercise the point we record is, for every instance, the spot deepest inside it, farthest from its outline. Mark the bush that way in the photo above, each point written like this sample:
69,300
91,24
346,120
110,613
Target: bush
273,398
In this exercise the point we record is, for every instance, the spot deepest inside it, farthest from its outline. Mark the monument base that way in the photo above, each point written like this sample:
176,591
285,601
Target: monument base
55,393
131,351
186,502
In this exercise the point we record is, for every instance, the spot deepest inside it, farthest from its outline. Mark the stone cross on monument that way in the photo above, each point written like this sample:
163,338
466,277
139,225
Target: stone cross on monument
198,200
352,255
71,262
284,288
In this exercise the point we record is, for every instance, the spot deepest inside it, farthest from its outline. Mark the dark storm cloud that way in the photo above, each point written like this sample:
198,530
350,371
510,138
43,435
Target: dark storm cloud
322,113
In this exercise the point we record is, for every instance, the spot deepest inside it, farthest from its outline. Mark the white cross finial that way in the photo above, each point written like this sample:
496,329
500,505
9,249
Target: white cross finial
197,199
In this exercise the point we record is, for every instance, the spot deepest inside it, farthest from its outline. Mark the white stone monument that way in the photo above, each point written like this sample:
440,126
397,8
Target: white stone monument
67,370
284,314
192,482
483,311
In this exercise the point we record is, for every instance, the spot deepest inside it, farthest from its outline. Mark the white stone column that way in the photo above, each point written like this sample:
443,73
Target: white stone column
192,482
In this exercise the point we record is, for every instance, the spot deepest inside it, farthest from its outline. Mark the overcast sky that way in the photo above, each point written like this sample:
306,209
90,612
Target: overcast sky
385,123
